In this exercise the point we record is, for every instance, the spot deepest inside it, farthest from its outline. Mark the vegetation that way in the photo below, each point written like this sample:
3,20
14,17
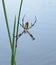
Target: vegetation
15,32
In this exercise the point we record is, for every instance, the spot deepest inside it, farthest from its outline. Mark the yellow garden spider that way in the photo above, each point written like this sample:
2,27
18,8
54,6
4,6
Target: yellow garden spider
26,27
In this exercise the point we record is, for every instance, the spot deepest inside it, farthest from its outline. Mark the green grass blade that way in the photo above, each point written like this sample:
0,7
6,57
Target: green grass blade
14,29
6,22
19,15
18,19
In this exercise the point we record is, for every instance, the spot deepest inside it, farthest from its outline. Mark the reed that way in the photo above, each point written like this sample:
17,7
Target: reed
13,45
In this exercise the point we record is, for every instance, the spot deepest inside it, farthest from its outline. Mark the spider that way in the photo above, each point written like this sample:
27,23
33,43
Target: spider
26,27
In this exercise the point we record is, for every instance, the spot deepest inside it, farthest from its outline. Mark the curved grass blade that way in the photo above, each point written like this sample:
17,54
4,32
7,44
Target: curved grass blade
14,29
7,25
13,61
18,20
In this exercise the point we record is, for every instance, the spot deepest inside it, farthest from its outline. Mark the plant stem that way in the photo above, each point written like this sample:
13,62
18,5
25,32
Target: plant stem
18,21
5,14
12,43
13,61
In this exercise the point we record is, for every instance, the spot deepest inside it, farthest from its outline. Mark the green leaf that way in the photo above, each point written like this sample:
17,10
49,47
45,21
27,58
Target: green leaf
14,29
7,25
18,19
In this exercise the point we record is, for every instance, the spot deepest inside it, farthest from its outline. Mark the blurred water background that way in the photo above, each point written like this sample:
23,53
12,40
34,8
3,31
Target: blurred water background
41,51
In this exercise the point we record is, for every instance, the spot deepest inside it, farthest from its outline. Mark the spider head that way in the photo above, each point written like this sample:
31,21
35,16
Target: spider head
26,25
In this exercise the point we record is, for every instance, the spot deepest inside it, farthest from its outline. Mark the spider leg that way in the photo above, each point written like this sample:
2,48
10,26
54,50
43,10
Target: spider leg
33,23
31,35
21,34
23,20
22,26
18,37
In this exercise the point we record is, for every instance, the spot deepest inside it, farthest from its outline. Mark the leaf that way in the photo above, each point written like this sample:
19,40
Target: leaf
14,28
7,25
18,19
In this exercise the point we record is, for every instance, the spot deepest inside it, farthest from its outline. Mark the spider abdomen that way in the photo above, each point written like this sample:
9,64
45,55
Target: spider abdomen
26,25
